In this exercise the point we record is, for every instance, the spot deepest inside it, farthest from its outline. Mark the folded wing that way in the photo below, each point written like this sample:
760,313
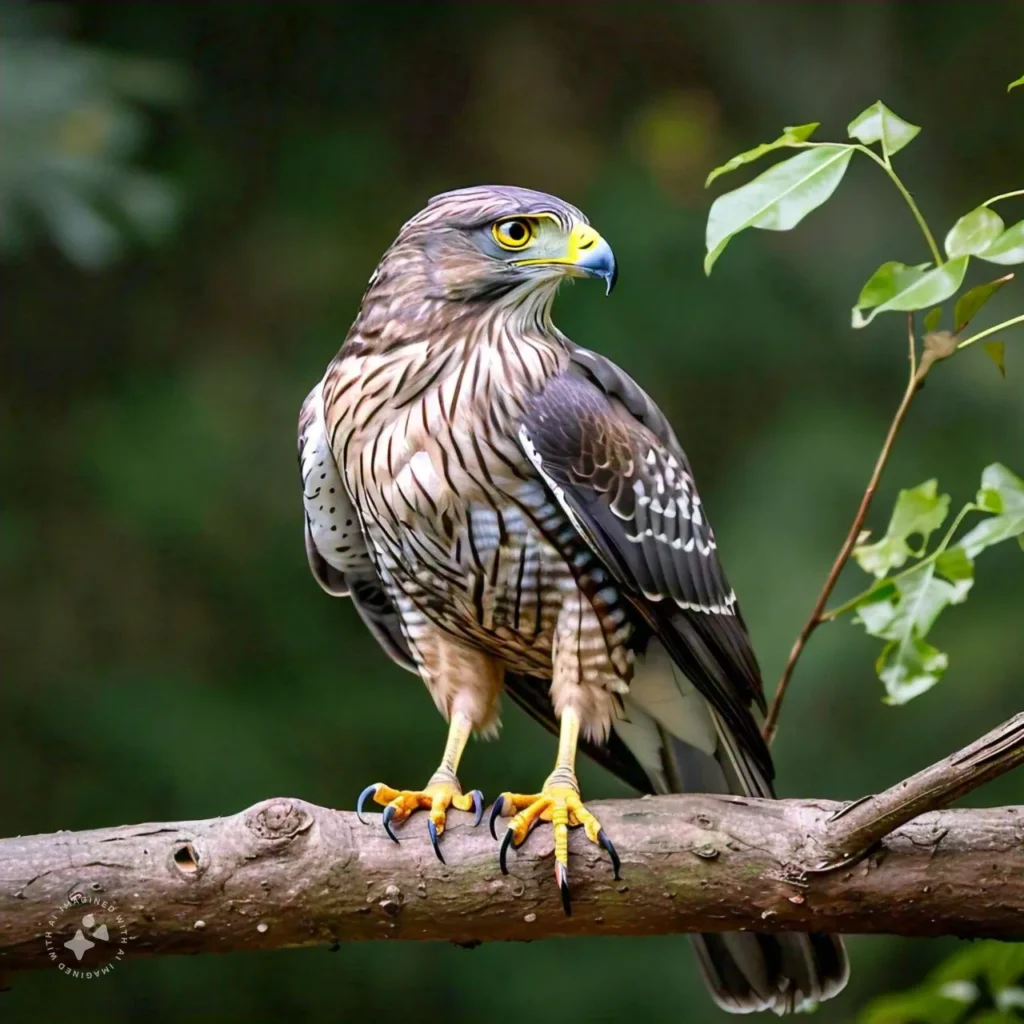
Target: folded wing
615,466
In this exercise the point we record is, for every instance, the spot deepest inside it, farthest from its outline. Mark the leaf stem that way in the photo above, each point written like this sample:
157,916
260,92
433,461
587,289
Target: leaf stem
918,216
848,606
887,167
991,330
964,512
1004,195
916,376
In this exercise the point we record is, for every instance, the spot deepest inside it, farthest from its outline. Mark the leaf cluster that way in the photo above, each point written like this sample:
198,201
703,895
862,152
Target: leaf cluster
780,198
901,607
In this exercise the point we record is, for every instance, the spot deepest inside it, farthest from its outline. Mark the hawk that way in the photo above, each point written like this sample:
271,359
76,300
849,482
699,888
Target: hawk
511,513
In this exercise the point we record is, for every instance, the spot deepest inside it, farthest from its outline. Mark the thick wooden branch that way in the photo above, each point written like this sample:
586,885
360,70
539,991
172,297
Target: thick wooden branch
288,873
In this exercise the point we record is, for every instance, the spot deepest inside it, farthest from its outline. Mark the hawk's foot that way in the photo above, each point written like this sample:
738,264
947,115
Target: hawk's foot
558,802
436,796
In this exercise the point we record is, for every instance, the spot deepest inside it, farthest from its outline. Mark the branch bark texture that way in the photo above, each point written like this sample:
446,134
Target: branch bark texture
289,873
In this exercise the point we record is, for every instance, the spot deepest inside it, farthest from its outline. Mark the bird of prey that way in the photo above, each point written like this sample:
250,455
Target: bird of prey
511,513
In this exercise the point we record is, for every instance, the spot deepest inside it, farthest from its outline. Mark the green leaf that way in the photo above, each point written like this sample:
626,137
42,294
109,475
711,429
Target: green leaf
955,564
1001,490
888,280
879,124
916,599
876,609
895,286
778,199
909,667
932,318
796,133
923,596
1008,248
996,351
1015,83
1002,493
880,557
918,510
968,305
974,232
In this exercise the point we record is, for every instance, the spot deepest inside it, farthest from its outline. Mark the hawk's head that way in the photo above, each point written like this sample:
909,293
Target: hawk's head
494,240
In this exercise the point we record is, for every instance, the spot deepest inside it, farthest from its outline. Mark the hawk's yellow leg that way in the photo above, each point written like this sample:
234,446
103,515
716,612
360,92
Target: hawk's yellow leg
440,793
558,802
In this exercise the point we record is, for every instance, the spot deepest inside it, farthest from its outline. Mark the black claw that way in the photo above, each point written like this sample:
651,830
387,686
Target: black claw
478,807
606,844
362,800
432,829
562,878
495,814
506,842
386,817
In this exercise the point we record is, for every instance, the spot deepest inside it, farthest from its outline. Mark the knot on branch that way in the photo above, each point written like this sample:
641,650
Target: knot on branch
186,860
278,818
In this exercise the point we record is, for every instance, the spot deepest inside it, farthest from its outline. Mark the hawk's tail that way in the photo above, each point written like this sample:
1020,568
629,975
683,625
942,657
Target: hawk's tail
746,972
683,746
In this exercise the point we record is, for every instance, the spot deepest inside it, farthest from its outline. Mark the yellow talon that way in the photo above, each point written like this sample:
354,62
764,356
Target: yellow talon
562,806
436,798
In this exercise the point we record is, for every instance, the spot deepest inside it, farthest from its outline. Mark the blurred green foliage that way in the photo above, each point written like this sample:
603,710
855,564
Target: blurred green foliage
165,653
70,122
982,984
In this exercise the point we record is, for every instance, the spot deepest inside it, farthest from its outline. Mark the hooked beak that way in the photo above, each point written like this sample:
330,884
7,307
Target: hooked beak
587,254
593,255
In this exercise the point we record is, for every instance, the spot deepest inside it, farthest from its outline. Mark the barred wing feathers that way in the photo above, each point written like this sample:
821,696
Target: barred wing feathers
614,464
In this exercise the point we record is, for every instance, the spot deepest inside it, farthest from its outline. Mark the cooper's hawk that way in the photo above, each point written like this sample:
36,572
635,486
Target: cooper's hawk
510,512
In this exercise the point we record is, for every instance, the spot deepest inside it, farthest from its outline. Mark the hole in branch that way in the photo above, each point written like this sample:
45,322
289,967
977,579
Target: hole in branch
186,859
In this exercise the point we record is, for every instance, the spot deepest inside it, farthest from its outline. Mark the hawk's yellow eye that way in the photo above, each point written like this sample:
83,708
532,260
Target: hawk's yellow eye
512,234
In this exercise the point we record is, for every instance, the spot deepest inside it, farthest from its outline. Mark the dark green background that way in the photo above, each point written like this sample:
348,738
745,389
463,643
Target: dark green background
166,654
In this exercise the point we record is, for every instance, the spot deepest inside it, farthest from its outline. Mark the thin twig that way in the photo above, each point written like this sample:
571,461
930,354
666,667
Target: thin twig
816,617
991,330
1004,195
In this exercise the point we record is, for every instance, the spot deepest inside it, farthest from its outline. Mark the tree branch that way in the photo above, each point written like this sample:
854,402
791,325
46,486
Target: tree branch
288,873
857,827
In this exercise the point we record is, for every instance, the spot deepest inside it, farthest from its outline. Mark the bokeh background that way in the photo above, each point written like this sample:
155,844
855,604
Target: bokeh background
192,197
